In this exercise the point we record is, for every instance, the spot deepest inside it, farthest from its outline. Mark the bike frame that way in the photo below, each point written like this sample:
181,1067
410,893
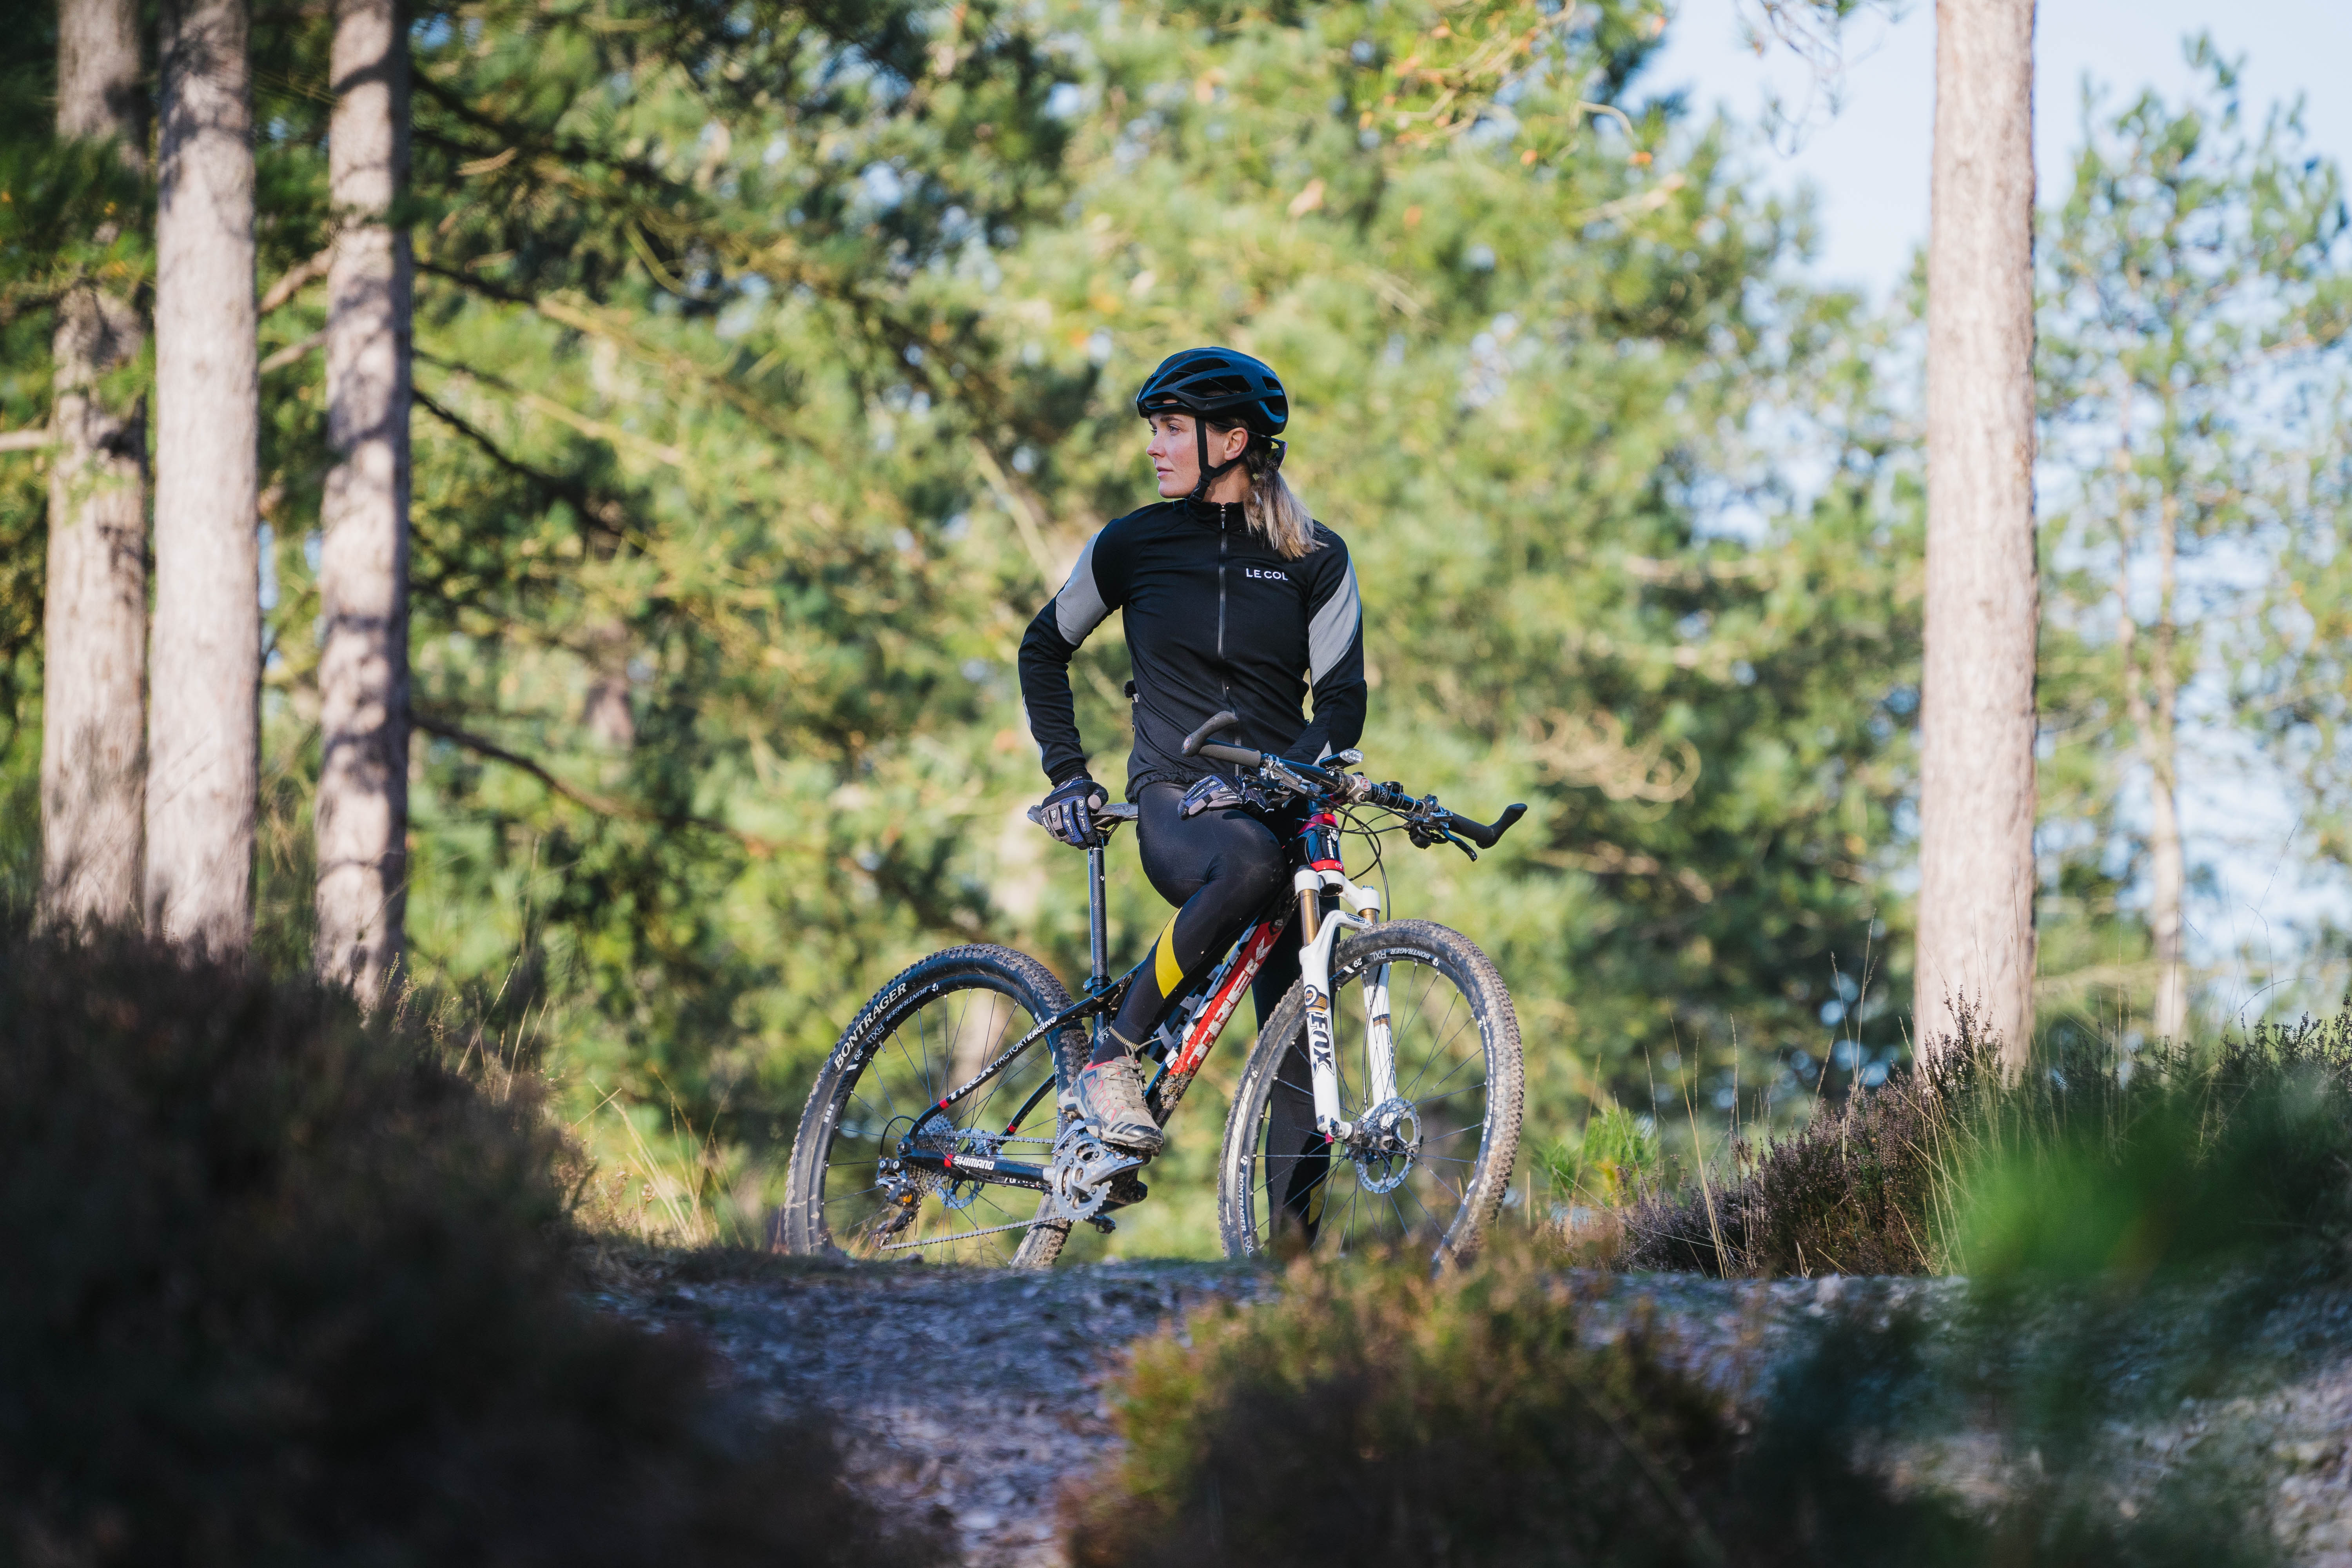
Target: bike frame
1313,886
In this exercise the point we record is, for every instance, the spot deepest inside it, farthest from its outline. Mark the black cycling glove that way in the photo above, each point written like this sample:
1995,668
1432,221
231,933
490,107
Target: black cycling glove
1067,812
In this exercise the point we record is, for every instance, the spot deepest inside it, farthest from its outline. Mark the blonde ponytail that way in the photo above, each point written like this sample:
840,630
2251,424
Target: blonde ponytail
1275,513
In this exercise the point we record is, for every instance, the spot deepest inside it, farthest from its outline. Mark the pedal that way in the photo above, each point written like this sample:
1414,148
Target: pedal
1125,1189
1083,1169
1109,1166
1103,1222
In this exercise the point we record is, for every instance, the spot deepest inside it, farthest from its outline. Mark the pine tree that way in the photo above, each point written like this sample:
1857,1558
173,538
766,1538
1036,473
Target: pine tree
206,662
1977,721
362,812
2193,347
95,617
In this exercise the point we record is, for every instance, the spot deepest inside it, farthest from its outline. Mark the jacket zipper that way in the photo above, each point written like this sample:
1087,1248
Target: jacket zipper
1222,538
1220,586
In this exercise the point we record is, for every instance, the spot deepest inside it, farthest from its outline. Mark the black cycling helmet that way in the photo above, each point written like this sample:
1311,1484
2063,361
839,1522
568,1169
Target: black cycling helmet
1224,385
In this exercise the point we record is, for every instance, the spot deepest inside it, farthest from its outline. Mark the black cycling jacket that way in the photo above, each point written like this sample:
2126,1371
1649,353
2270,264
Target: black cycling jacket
1215,619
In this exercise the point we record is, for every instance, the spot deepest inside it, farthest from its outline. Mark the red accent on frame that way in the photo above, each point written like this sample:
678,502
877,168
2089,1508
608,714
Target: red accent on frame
1212,1019
1326,866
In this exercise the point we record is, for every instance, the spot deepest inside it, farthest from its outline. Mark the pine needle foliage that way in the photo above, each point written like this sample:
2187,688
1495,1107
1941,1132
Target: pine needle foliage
774,364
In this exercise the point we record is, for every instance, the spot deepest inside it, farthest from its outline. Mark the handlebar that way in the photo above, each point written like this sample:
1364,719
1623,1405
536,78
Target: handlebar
1444,823
1430,822
1115,810
1225,720
1484,834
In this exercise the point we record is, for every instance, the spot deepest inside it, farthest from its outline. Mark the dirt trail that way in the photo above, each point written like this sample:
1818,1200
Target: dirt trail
972,1397
968,1396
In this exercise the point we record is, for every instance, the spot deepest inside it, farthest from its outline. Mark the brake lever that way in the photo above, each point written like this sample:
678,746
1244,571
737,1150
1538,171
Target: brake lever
1424,828
1458,844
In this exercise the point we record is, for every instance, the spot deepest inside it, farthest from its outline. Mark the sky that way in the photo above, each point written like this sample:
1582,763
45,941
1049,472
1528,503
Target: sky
1868,161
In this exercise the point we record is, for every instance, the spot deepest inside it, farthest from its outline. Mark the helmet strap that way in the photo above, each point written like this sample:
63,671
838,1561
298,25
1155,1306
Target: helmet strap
1210,475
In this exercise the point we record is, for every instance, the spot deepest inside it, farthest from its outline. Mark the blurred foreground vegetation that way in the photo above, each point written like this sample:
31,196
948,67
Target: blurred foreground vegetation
1514,1415
290,1286
2153,1241
286,1286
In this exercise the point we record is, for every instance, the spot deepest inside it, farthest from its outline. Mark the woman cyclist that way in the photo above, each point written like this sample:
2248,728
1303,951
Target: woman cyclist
1235,599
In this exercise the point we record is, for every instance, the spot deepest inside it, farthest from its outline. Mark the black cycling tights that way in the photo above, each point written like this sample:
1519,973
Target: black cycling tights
1224,868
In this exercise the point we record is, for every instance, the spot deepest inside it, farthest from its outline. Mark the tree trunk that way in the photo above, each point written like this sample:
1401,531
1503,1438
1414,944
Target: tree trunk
203,736
362,807
94,624
1975,946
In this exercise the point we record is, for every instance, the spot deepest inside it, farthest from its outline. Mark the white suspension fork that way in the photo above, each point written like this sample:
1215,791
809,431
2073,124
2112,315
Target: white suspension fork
1378,1044
1361,906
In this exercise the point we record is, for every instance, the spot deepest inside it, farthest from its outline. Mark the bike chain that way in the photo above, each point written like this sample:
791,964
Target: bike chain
958,1235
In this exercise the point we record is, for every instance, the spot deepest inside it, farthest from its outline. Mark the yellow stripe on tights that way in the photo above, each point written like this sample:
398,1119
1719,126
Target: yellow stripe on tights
1165,969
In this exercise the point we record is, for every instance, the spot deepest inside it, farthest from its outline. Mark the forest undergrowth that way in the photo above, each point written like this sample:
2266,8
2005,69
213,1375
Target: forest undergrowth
2175,1160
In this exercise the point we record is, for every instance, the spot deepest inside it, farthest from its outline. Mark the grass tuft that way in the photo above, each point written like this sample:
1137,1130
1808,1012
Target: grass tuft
2098,1162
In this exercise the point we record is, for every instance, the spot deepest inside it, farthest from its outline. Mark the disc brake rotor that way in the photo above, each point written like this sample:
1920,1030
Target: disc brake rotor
1387,1146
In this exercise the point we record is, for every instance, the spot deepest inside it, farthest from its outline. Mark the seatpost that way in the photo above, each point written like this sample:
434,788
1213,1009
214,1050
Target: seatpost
1097,936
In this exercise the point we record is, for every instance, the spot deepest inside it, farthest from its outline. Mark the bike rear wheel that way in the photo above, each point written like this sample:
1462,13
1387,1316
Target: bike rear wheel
927,1032
1284,1190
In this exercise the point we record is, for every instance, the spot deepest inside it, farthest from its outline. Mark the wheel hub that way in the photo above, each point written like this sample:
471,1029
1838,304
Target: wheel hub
1386,1145
933,1133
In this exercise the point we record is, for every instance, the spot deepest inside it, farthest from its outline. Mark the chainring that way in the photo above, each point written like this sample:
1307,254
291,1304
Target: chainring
1084,1172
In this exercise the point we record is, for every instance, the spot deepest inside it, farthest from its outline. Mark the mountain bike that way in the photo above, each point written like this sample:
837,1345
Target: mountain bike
1379,1105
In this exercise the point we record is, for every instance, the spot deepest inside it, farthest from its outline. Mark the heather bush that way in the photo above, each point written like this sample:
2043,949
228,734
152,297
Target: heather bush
1377,1416
1858,1190
2095,1163
1374,1415
284,1288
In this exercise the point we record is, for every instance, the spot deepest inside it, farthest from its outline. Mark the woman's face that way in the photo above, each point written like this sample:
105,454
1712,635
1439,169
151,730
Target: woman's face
1176,455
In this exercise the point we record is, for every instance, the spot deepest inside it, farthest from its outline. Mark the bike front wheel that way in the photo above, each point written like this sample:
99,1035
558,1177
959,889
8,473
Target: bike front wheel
929,1030
1435,1188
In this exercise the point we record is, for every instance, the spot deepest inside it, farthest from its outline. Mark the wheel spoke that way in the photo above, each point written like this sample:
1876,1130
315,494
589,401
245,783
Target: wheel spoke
958,1028
1442,1065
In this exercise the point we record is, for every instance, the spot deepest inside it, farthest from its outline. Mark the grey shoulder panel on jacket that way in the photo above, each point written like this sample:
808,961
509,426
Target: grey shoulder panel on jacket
1336,622
1079,607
